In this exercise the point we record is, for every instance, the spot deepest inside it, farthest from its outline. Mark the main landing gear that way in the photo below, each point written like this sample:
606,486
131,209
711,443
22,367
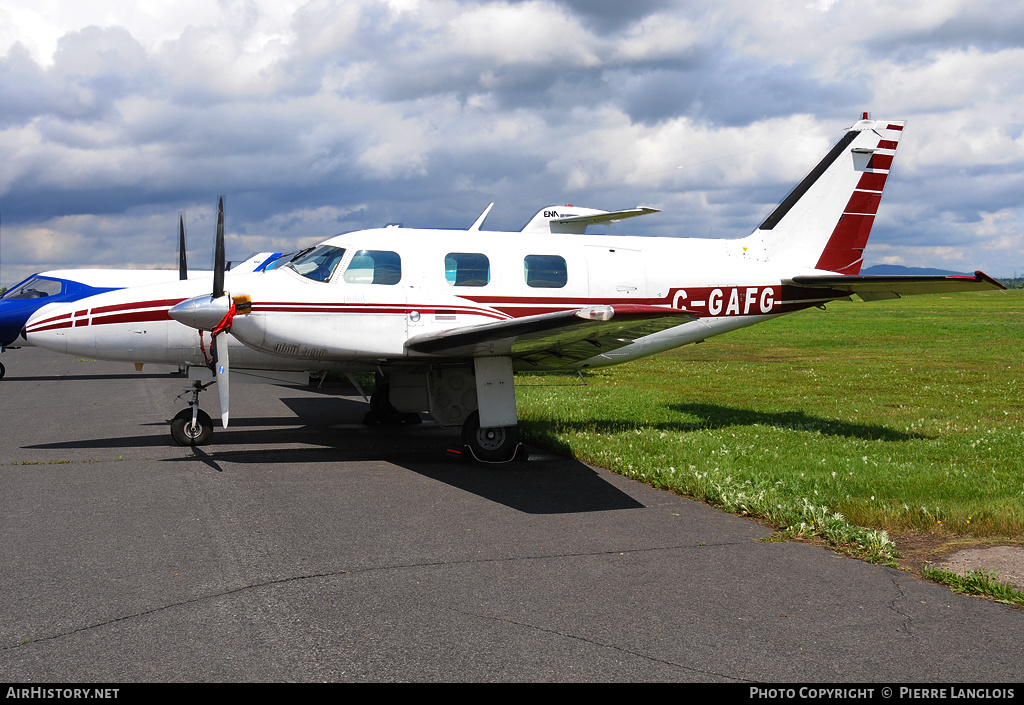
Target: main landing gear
192,426
490,445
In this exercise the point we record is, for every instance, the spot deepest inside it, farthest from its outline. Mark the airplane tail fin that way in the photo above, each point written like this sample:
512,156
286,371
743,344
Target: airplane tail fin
825,221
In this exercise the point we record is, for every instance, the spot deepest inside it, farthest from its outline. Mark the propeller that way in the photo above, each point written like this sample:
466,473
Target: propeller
215,314
221,367
182,264
218,253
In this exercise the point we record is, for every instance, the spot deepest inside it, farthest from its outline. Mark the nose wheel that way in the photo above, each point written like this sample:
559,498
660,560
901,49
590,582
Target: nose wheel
188,432
192,426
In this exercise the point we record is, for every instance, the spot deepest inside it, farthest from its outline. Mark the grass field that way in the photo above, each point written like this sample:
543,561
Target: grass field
851,424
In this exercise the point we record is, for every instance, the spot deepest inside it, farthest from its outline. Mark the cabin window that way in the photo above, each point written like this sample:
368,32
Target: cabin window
467,269
545,271
317,263
374,267
34,288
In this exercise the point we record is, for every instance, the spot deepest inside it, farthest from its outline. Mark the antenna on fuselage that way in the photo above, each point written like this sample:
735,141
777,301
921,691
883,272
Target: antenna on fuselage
480,221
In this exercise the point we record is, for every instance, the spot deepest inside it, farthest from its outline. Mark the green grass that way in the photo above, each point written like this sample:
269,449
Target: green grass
897,415
977,582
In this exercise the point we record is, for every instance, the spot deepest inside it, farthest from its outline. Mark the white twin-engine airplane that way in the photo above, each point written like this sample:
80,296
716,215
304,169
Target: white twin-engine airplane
446,317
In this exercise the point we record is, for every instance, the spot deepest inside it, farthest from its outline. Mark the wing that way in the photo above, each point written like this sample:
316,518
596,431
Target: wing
551,341
873,288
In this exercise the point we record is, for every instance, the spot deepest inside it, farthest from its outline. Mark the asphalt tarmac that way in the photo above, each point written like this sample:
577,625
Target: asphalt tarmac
302,545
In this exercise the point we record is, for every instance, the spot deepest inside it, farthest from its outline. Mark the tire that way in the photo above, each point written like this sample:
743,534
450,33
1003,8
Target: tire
3,370
183,433
380,407
492,445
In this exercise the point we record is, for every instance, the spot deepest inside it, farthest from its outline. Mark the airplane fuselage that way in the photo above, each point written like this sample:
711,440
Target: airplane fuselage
347,321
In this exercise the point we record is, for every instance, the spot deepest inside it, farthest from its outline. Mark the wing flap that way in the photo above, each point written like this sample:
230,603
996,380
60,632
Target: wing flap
553,340
874,287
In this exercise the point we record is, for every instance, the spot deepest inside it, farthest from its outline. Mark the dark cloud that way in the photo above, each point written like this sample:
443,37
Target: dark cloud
611,16
990,26
723,91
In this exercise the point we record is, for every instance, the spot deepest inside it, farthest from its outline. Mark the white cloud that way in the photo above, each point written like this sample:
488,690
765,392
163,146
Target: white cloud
524,33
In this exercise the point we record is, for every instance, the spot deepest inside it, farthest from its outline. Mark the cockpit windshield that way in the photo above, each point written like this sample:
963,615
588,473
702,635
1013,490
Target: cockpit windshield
34,288
317,263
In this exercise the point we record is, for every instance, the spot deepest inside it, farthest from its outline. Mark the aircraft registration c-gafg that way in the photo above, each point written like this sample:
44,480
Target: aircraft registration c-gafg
445,318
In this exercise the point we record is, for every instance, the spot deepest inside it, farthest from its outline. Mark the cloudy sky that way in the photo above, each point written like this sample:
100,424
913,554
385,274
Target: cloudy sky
324,116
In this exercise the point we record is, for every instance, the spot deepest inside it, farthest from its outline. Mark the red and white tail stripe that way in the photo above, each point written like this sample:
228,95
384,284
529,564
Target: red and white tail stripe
844,251
824,223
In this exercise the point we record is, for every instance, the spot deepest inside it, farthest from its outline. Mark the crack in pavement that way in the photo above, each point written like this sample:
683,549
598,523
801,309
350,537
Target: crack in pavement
359,571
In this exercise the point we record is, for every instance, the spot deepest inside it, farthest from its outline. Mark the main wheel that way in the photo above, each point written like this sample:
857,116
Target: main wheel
381,407
3,370
185,434
496,444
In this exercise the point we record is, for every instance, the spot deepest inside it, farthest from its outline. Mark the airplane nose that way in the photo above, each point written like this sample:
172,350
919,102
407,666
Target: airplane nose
14,313
9,331
54,339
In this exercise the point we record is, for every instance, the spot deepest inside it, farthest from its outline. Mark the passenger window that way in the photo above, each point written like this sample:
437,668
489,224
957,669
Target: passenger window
374,267
545,271
467,269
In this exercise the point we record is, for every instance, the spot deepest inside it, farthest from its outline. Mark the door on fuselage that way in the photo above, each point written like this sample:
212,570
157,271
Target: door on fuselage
614,274
377,302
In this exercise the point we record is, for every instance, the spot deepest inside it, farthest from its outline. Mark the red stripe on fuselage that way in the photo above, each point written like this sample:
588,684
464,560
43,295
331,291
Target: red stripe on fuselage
132,305
52,319
39,328
133,317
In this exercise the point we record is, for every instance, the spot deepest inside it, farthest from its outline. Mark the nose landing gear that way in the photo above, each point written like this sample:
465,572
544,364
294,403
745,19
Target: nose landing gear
192,426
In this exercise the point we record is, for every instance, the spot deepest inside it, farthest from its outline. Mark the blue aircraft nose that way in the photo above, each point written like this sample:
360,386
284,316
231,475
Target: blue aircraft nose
27,297
13,315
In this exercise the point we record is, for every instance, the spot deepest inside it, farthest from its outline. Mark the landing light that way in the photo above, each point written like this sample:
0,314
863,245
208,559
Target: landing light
596,313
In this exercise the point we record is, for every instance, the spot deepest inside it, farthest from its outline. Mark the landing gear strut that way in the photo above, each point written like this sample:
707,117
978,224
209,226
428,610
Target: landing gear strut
192,426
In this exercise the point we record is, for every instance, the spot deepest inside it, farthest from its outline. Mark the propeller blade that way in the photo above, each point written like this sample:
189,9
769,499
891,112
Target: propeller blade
222,370
182,264
218,253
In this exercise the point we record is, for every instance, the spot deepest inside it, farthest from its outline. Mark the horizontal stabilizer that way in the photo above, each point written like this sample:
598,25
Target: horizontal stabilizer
600,218
553,340
873,288
574,219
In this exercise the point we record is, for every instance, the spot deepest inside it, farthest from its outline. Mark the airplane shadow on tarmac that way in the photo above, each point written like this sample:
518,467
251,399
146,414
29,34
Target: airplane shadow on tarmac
700,417
332,432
